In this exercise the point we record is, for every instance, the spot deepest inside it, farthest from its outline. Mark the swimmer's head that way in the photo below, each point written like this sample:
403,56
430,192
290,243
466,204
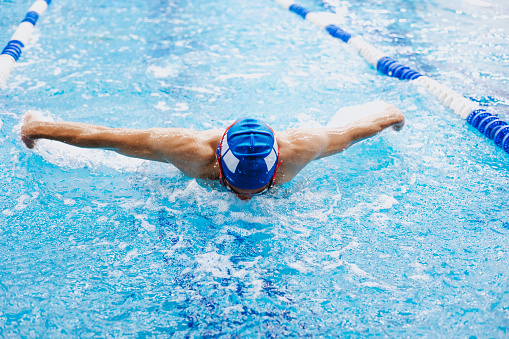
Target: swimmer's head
248,155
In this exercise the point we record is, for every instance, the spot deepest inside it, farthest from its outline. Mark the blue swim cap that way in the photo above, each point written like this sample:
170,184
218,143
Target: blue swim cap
248,153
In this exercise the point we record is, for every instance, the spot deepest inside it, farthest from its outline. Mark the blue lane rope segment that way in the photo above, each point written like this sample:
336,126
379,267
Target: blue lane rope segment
492,127
476,116
500,134
48,1
13,48
505,143
299,10
31,17
488,124
484,122
391,67
337,32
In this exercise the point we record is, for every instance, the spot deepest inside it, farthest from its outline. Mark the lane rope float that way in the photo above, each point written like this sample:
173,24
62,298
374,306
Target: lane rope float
19,40
485,122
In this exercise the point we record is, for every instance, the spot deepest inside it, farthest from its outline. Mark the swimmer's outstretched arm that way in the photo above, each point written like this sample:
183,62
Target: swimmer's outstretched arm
193,152
341,138
299,147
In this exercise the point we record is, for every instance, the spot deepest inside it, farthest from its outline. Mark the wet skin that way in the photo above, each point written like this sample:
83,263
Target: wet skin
194,152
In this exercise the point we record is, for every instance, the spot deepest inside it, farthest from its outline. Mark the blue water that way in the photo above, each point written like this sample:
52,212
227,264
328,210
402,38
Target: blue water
403,235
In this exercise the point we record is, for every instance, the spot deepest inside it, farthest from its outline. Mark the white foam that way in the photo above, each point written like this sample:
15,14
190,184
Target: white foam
384,202
381,203
69,202
216,264
235,308
38,85
8,212
347,115
250,218
181,106
479,3
380,219
115,273
201,90
144,223
102,219
247,268
256,288
162,106
300,266
351,245
68,156
333,265
378,285
24,200
170,71
131,255
64,155
421,277
357,270
242,76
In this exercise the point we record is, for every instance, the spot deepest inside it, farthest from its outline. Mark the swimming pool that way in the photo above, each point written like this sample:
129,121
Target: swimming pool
403,234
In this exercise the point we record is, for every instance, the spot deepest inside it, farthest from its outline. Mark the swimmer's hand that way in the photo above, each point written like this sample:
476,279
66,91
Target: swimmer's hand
397,117
27,128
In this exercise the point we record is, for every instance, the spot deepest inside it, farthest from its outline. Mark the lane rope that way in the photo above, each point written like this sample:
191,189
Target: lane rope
19,40
485,122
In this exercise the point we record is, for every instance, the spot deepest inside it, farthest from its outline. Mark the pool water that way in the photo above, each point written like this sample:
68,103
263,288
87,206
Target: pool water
405,234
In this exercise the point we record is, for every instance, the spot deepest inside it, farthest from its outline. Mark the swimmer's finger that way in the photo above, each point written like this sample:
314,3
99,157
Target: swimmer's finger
29,142
26,121
399,126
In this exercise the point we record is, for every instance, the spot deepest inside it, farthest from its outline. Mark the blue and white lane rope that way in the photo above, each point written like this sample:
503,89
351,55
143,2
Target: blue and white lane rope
488,124
12,51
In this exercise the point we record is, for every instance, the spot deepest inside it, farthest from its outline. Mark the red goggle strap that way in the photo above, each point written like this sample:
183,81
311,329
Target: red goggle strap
273,180
218,156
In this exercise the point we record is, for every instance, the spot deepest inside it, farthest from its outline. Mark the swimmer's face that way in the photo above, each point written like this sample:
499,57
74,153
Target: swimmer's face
246,194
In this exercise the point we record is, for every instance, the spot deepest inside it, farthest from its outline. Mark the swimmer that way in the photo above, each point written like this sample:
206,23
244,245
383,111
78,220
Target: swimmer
247,159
